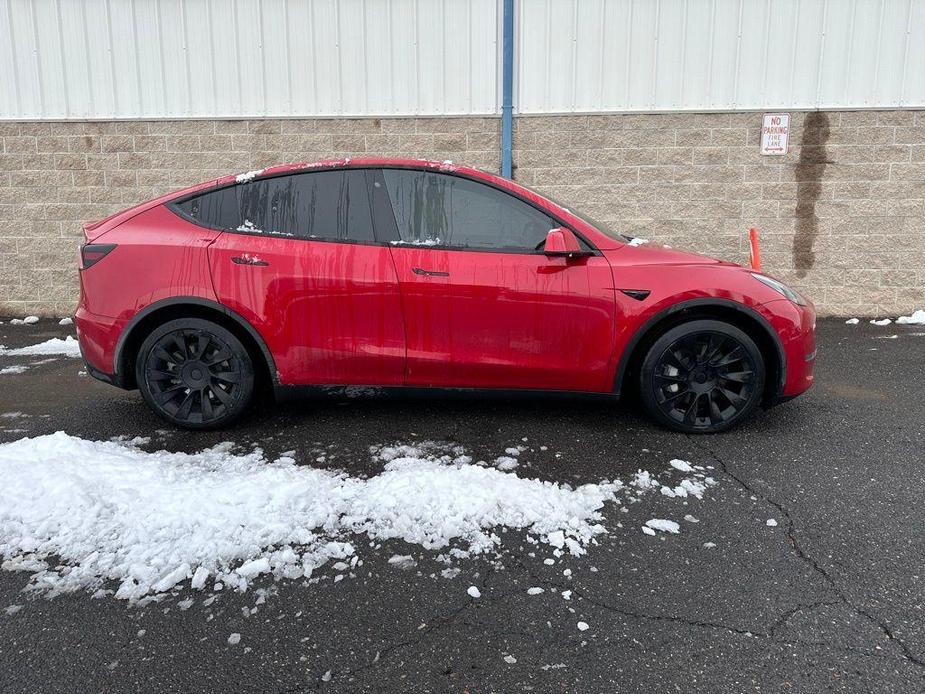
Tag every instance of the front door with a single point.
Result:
(298, 259)
(483, 307)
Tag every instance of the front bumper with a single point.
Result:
(796, 327)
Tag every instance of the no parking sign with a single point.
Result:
(775, 134)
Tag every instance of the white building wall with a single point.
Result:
(102, 59)
(246, 58)
(719, 55)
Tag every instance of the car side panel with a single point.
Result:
(329, 312)
(505, 320)
(157, 256)
(670, 285)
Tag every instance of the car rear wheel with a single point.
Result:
(195, 374)
(702, 376)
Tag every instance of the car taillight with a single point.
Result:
(92, 253)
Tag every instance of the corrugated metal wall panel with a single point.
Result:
(247, 58)
(251, 58)
(694, 55)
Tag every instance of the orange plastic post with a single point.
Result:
(755, 249)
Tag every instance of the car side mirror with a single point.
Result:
(562, 243)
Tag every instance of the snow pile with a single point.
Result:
(852, 321)
(67, 347)
(917, 318)
(881, 322)
(28, 320)
(76, 513)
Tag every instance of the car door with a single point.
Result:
(299, 260)
(483, 306)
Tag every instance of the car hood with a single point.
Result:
(655, 254)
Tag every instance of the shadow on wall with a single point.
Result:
(809, 172)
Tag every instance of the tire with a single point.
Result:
(702, 377)
(195, 374)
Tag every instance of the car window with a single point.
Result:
(441, 210)
(323, 205)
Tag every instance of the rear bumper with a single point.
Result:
(97, 336)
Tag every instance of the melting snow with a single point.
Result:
(417, 242)
(65, 321)
(636, 241)
(67, 347)
(403, 561)
(852, 321)
(665, 526)
(917, 318)
(474, 592)
(249, 176)
(151, 521)
(882, 321)
(15, 369)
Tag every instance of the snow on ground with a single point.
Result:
(853, 321)
(67, 347)
(108, 517)
(15, 369)
(881, 322)
(28, 320)
(662, 525)
(917, 318)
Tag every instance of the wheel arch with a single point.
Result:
(732, 312)
(146, 320)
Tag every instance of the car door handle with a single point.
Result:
(248, 260)
(430, 273)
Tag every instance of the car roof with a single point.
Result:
(96, 229)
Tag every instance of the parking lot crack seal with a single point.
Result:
(819, 570)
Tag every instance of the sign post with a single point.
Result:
(775, 134)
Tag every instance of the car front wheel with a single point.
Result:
(195, 374)
(702, 376)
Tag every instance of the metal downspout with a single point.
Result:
(507, 89)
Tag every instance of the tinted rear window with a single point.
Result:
(322, 204)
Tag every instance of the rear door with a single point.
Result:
(483, 306)
(299, 260)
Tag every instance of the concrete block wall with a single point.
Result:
(842, 216)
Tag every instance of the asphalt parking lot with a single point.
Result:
(829, 599)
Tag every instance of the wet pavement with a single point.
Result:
(829, 599)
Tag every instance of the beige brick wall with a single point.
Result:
(842, 216)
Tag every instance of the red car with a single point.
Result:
(401, 273)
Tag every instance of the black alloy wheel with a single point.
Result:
(702, 376)
(195, 374)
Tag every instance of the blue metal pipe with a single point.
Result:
(507, 89)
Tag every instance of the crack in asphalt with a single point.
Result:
(804, 556)
(386, 651)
